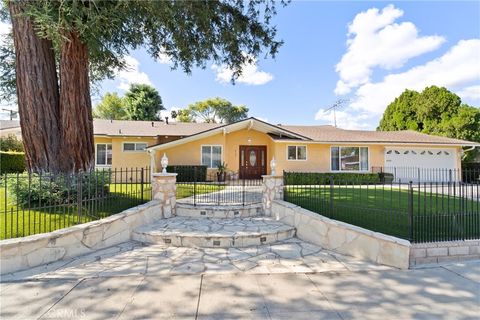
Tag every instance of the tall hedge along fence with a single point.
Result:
(316, 178)
(189, 173)
(12, 162)
(37, 190)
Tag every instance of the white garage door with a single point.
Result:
(421, 164)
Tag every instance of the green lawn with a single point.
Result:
(16, 221)
(435, 216)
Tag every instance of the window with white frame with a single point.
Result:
(134, 146)
(297, 152)
(349, 158)
(211, 156)
(103, 154)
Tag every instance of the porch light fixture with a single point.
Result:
(249, 140)
(273, 164)
(164, 163)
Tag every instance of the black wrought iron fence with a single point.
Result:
(417, 211)
(416, 174)
(198, 186)
(38, 203)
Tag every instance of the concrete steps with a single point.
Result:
(218, 212)
(214, 232)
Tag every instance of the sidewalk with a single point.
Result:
(132, 283)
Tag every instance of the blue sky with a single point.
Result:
(393, 45)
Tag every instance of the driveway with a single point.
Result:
(289, 280)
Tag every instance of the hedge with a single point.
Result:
(189, 173)
(42, 190)
(313, 178)
(12, 162)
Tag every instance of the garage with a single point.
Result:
(421, 164)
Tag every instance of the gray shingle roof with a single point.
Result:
(332, 134)
(148, 128)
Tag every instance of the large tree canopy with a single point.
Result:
(433, 111)
(111, 107)
(142, 102)
(213, 110)
(74, 41)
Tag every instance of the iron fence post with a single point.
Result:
(79, 195)
(141, 183)
(410, 210)
(195, 186)
(331, 195)
(243, 192)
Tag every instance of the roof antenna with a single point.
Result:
(340, 103)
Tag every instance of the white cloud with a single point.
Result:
(5, 28)
(345, 119)
(131, 74)
(458, 70)
(375, 40)
(251, 75)
(470, 93)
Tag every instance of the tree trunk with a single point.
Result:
(75, 105)
(37, 92)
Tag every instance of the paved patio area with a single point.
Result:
(287, 280)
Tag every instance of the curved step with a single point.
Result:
(218, 212)
(214, 233)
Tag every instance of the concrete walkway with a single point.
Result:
(287, 280)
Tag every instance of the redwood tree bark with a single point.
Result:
(37, 93)
(75, 106)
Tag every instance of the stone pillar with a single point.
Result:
(164, 190)
(272, 190)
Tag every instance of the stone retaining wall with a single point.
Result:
(343, 237)
(27, 252)
(440, 252)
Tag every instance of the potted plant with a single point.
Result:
(222, 172)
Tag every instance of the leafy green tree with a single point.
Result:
(59, 43)
(142, 102)
(184, 115)
(214, 110)
(436, 111)
(111, 107)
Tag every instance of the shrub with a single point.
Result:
(312, 178)
(12, 162)
(33, 190)
(11, 143)
(189, 173)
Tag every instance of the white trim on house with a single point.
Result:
(339, 159)
(249, 124)
(296, 152)
(135, 146)
(106, 149)
(386, 143)
(211, 145)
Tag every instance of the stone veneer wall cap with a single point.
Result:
(79, 227)
(347, 225)
(168, 174)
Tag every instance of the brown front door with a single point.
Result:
(253, 162)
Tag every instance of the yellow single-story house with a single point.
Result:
(248, 147)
